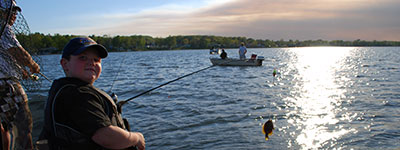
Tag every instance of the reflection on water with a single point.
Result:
(316, 96)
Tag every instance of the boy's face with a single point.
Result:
(85, 66)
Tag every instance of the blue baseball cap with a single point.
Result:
(80, 44)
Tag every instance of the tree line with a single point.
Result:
(55, 43)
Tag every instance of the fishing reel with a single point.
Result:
(119, 109)
(118, 103)
(114, 97)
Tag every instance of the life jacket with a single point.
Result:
(61, 136)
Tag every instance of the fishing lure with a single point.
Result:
(267, 129)
(274, 73)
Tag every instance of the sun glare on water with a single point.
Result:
(316, 95)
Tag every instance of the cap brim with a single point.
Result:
(17, 8)
(102, 51)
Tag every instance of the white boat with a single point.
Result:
(237, 62)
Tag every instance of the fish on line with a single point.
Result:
(267, 129)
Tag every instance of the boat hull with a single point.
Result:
(236, 62)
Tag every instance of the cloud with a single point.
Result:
(266, 19)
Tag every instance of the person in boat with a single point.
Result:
(16, 118)
(242, 51)
(223, 54)
(77, 114)
(212, 50)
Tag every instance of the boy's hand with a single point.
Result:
(141, 143)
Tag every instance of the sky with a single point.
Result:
(258, 19)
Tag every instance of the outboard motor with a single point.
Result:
(253, 56)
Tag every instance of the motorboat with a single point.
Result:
(254, 61)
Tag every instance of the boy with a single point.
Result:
(77, 114)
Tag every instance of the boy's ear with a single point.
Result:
(63, 63)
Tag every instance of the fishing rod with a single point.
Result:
(129, 99)
(45, 77)
(35, 77)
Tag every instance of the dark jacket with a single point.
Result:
(74, 111)
(223, 55)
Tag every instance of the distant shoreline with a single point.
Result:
(53, 44)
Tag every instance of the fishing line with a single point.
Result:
(115, 77)
(268, 127)
(273, 84)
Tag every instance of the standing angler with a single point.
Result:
(15, 115)
(242, 51)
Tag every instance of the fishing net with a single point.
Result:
(19, 30)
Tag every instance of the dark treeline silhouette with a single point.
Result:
(46, 44)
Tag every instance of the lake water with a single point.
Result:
(321, 98)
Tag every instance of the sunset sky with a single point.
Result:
(259, 19)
